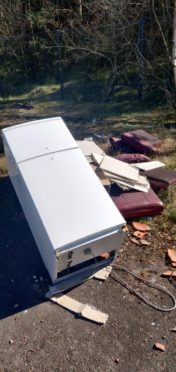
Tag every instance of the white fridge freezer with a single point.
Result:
(71, 216)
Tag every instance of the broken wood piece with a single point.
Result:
(150, 165)
(94, 315)
(144, 242)
(141, 185)
(172, 254)
(135, 241)
(100, 174)
(88, 147)
(86, 311)
(142, 180)
(169, 273)
(103, 274)
(105, 181)
(139, 234)
(159, 346)
(97, 158)
(119, 168)
(141, 226)
(173, 329)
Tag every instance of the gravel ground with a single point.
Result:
(37, 335)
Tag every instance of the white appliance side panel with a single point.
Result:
(38, 230)
(38, 138)
(90, 250)
(31, 214)
(11, 164)
(69, 197)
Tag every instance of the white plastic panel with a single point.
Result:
(71, 202)
(37, 138)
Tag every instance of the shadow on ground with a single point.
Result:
(23, 278)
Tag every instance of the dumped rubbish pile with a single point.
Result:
(77, 226)
(133, 178)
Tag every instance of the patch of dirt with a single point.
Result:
(36, 335)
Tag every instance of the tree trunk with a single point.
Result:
(80, 8)
(174, 44)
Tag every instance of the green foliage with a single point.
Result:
(172, 214)
(118, 42)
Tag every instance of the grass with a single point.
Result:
(84, 100)
(172, 214)
(3, 166)
(86, 113)
(167, 221)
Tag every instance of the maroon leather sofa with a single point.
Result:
(133, 204)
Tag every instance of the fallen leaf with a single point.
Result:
(117, 260)
(159, 346)
(116, 360)
(172, 254)
(145, 274)
(139, 234)
(135, 241)
(141, 226)
(169, 273)
(168, 238)
(173, 329)
(144, 242)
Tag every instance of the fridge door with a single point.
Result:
(37, 138)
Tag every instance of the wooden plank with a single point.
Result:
(86, 311)
(94, 315)
(103, 274)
